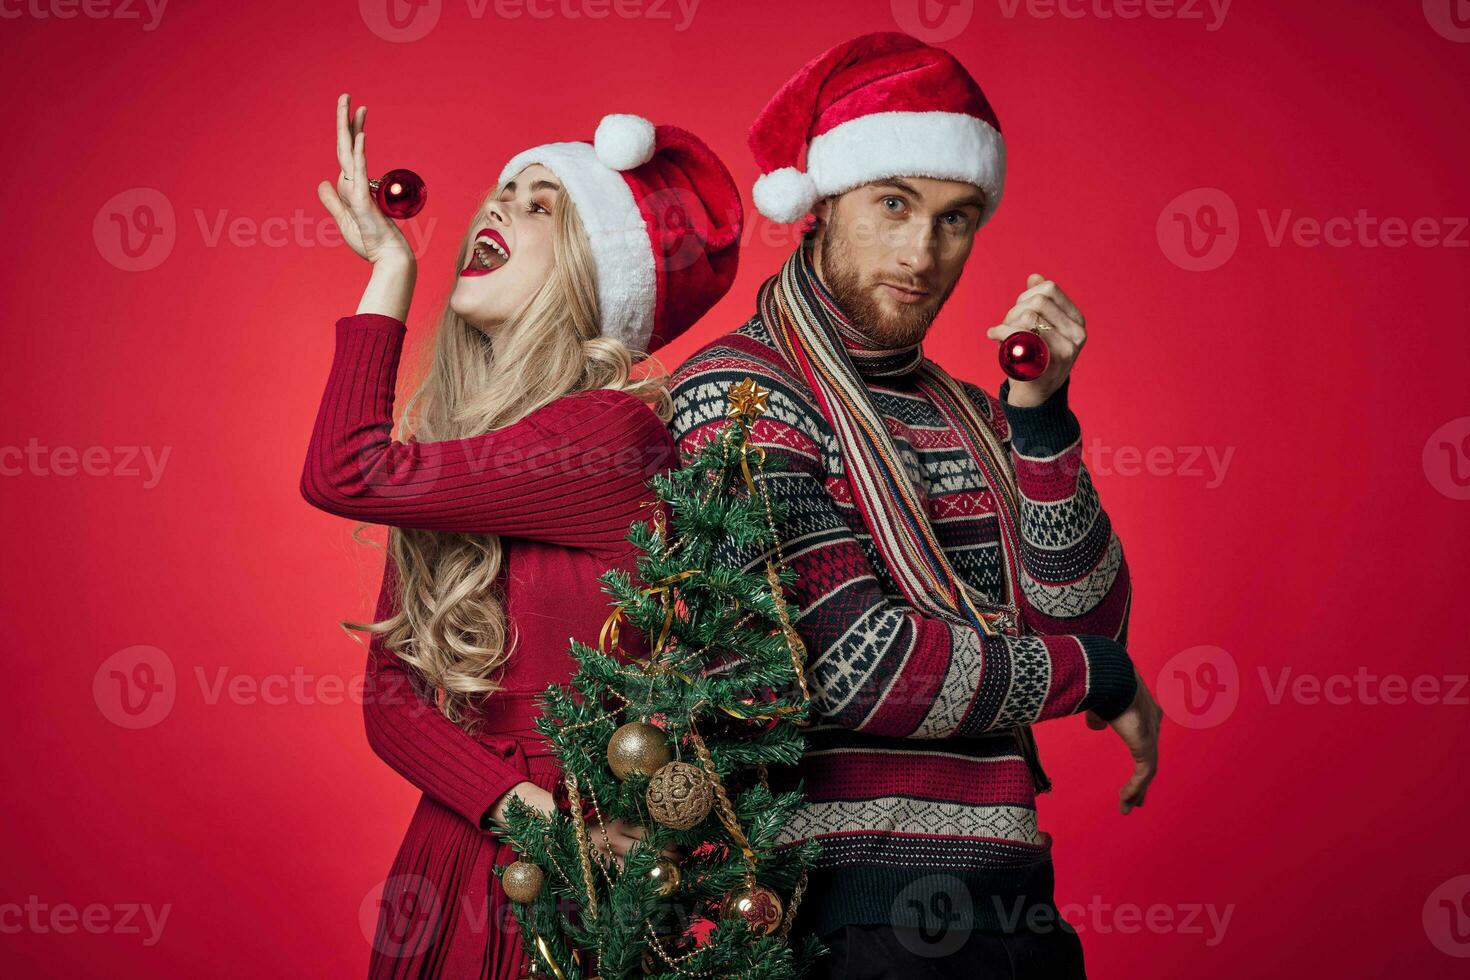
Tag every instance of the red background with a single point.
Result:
(1330, 832)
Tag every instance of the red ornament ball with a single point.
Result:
(400, 193)
(1024, 355)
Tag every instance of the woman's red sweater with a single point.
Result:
(561, 487)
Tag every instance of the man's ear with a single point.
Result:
(821, 209)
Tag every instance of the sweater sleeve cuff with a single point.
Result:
(1041, 430)
(1111, 679)
(370, 321)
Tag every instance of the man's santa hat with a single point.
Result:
(663, 218)
(880, 105)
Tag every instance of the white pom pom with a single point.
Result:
(784, 195)
(623, 141)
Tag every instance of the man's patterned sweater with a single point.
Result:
(917, 788)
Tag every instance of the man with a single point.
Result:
(958, 580)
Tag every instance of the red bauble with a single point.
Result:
(400, 193)
(1024, 355)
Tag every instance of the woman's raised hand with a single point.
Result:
(370, 232)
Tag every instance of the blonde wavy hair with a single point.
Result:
(450, 627)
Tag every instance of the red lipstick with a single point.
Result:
(472, 268)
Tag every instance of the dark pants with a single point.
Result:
(883, 952)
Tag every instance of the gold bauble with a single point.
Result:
(638, 747)
(680, 795)
(758, 906)
(522, 881)
(666, 877)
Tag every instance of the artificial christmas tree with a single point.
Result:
(678, 743)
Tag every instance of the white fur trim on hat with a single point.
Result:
(621, 248)
(624, 141)
(784, 195)
(942, 145)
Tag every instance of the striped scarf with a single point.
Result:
(825, 348)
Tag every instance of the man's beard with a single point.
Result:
(843, 280)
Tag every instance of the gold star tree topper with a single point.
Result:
(747, 400)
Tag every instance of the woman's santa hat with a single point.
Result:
(663, 219)
(880, 105)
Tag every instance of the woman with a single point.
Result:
(529, 444)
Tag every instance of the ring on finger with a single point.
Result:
(1040, 324)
